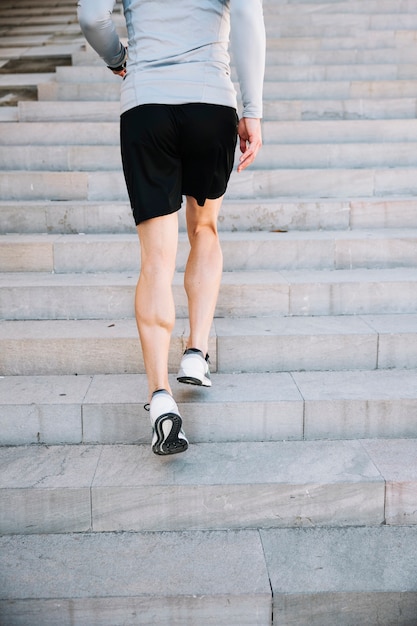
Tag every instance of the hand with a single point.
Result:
(121, 72)
(249, 131)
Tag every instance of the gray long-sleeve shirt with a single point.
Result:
(178, 50)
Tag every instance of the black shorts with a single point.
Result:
(173, 150)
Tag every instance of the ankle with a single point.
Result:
(197, 348)
(159, 390)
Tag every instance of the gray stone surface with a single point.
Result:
(213, 578)
(95, 132)
(108, 88)
(397, 341)
(305, 183)
(345, 576)
(22, 253)
(241, 251)
(42, 410)
(239, 407)
(108, 217)
(347, 292)
(45, 111)
(84, 158)
(341, 109)
(358, 404)
(44, 185)
(59, 134)
(295, 343)
(226, 486)
(385, 214)
(284, 110)
(59, 346)
(46, 489)
(41, 296)
(46, 347)
(401, 486)
(239, 215)
(251, 407)
(337, 155)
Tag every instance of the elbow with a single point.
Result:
(243, 10)
(91, 17)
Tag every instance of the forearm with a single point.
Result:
(248, 51)
(96, 24)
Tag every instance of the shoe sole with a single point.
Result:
(190, 380)
(168, 443)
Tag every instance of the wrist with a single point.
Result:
(122, 65)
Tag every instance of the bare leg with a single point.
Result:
(204, 269)
(154, 303)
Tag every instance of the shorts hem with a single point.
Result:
(139, 218)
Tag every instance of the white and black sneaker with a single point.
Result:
(168, 436)
(194, 368)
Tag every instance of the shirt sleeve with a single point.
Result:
(95, 18)
(248, 42)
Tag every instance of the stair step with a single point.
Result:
(274, 344)
(11, 81)
(80, 347)
(66, 28)
(308, 433)
(107, 295)
(211, 578)
(59, 50)
(308, 183)
(106, 135)
(357, 40)
(333, 25)
(295, 52)
(108, 409)
(300, 57)
(295, 57)
(68, 111)
(316, 343)
(299, 483)
(314, 131)
(354, 72)
(62, 254)
(48, 12)
(283, 8)
(8, 114)
(327, 576)
(99, 158)
(273, 72)
(340, 109)
(286, 90)
(59, 133)
(42, 295)
(242, 215)
(225, 591)
(24, 40)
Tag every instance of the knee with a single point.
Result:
(157, 269)
(202, 221)
(199, 230)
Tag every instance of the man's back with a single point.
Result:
(178, 51)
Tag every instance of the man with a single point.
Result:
(178, 138)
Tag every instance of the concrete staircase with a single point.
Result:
(296, 503)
